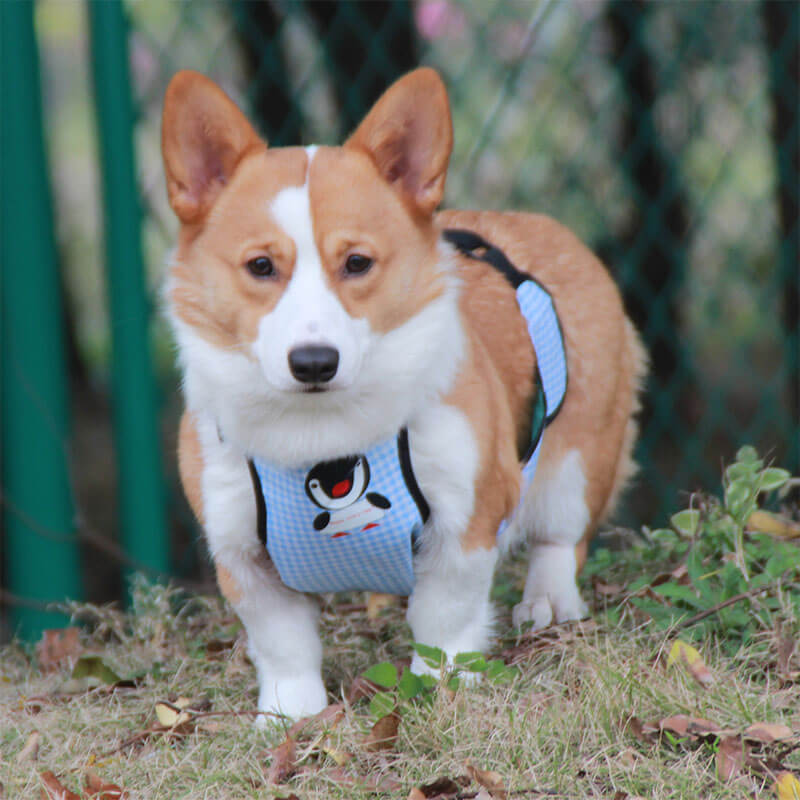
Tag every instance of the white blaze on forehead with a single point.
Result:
(309, 312)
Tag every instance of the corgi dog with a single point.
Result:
(380, 396)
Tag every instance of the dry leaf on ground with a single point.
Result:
(57, 648)
(767, 732)
(171, 715)
(730, 757)
(383, 735)
(331, 716)
(440, 789)
(377, 601)
(284, 763)
(491, 781)
(684, 654)
(98, 789)
(786, 786)
(53, 789)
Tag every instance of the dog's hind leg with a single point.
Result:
(555, 510)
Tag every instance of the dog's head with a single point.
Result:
(309, 263)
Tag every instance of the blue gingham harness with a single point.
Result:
(353, 523)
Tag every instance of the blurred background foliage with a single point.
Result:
(663, 133)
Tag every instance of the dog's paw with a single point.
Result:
(572, 607)
(542, 610)
(537, 611)
(296, 697)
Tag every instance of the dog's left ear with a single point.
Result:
(409, 135)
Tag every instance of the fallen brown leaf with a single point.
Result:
(604, 589)
(57, 648)
(636, 727)
(98, 789)
(53, 789)
(491, 781)
(443, 787)
(361, 688)
(685, 654)
(377, 601)
(30, 751)
(767, 732)
(683, 725)
(730, 757)
(284, 762)
(383, 735)
(330, 716)
(218, 648)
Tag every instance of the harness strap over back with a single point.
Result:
(544, 328)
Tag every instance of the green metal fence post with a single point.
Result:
(41, 550)
(140, 475)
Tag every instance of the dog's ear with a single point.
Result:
(204, 136)
(409, 135)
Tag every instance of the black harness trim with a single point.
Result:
(404, 457)
(261, 506)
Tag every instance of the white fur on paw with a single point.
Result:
(537, 611)
(542, 611)
(296, 697)
(420, 667)
(569, 608)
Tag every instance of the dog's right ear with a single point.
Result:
(204, 136)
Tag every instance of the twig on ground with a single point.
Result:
(719, 606)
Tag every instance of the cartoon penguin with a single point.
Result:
(338, 488)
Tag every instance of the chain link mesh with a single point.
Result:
(665, 134)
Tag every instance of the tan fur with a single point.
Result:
(230, 589)
(404, 277)
(211, 288)
(190, 464)
(605, 359)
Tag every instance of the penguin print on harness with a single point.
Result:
(338, 487)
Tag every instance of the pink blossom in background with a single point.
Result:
(437, 18)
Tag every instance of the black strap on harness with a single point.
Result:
(476, 247)
(473, 246)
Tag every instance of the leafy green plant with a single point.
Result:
(714, 568)
(410, 687)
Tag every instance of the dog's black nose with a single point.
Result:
(313, 363)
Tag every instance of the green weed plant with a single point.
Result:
(711, 566)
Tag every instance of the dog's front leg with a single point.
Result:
(450, 607)
(281, 624)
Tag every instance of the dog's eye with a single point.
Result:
(357, 264)
(260, 267)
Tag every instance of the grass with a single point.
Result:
(561, 728)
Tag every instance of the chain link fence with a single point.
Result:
(664, 134)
